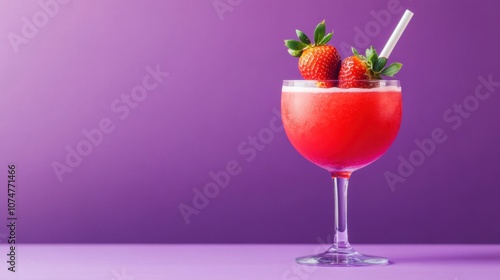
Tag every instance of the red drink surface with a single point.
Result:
(341, 130)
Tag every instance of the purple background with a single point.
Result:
(225, 80)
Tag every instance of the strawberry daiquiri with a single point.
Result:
(341, 130)
(341, 117)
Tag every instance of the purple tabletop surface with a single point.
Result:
(199, 261)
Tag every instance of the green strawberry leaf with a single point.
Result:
(295, 45)
(380, 64)
(303, 37)
(369, 52)
(295, 53)
(392, 69)
(371, 57)
(319, 32)
(325, 39)
(354, 51)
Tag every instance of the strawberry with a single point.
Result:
(357, 69)
(317, 61)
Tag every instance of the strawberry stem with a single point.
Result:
(376, 65)
(295, 48)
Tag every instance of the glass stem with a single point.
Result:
(341, 241)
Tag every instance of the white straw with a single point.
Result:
(393, 40)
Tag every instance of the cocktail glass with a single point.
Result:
(341, 130)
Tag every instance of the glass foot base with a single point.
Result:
(336, 257)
